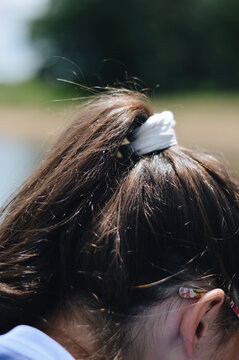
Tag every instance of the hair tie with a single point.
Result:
(156, 133)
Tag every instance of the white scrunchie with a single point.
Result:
(156, 133)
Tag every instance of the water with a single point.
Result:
(17, 161)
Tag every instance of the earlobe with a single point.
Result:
(197, 318)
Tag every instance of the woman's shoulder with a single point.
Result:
(27, 343)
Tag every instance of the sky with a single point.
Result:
(18, 60)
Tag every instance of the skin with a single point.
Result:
(176, 330)
(184, 331)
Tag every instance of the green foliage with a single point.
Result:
(36, 92)
(176, 44)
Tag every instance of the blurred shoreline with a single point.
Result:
(206, 121)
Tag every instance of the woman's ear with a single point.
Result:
(198, 318)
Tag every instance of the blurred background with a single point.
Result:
(183, 54)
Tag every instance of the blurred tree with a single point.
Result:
(176, 44)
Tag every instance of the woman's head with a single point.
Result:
(102, 233)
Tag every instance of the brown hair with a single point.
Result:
(99, 227)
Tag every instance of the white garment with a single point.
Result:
(27, 343)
